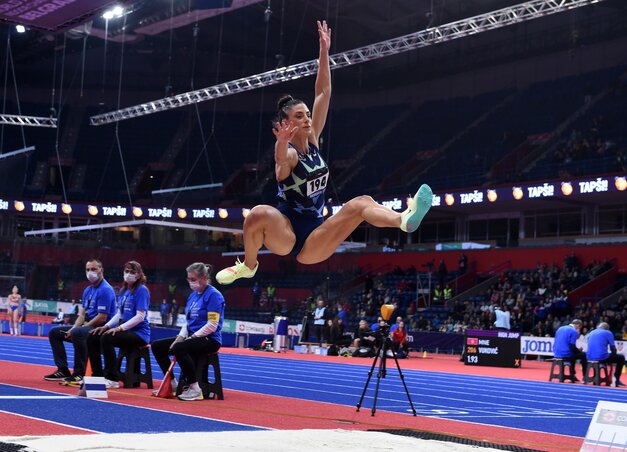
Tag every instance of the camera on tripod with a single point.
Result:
(383, 347)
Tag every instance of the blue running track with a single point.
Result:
(538, 406)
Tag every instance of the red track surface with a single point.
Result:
(16, 425)
(287, 413)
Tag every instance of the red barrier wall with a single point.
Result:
(521, 258)
(241, 297)
(485, 260)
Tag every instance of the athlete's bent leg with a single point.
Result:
(325, 239)
(264, 225)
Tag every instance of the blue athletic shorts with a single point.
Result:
(302, 226)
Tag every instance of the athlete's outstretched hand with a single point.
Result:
(325, 35)
(285, 131)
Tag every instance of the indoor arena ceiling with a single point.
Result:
(227, 39)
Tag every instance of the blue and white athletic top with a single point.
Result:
(303, 190)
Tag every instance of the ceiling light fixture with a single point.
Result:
(116, 11)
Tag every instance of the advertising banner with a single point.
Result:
(608, 429)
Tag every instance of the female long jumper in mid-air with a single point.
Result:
(296, 225)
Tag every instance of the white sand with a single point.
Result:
(261, 441)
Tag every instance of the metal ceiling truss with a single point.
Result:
(30, 121)
(18, 152)
(132, 223)
(454, 30)
(187, 188)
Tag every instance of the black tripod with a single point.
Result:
(386, 344)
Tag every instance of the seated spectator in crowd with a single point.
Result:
(342, 312)
(60, 318)
(399, 340)
(565, 347)
(98, 307)
(128, 328)
(375, 326)
(364, 336)
(336, 334)
(201, 334)
(399, 319)
(327, 330)
(599, 340)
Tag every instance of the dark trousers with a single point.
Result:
(396, 346)
(619, 360)
(320, 332)
(186, 353)
(581, 356)
(175, 317)
(343, 341)
(56, 336)
(106, 344)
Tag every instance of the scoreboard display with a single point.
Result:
(492, 348)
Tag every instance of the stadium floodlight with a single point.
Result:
(30, 121)
(20, 28)
(435, 35)
(116, 11)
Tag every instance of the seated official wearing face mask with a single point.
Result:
(128, 328)
(97, 308)
(201, 334)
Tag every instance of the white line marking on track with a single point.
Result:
(37, 397)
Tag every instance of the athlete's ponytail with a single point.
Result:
(284, 105)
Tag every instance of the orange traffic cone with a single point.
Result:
(88, 371)
(165, 389)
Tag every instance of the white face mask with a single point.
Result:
(92, 277)
(129, 278)
(194, 285)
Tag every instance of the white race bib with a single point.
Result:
(316, 185)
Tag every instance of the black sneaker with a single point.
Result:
(574, 379)
(618, 383)
(73, 380)
(57, 376)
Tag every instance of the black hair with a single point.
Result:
(284, 105)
